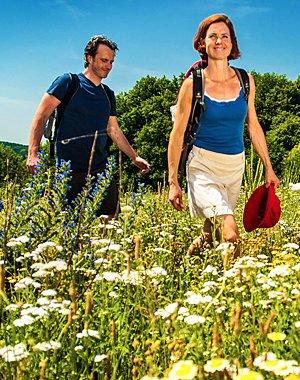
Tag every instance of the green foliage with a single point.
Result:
(85, 299)
(291, 164)
(282, 137)
(42, 207)
(12, 167)
(253, 175)
(275, 94)
(144, 117)
(18, 148)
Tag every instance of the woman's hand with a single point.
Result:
(271, 178)
(175, 196)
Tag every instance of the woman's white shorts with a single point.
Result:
(214, 182)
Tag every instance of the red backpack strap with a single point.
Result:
(201, 63)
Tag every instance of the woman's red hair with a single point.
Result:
(199, 44)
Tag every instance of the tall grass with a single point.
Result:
(86, 298)
(253, 176)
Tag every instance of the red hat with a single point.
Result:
(262, 209)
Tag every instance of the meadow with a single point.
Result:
(86, 298)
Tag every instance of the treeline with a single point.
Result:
(144, 117)
(18, 148)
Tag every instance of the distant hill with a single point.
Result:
(18, 148)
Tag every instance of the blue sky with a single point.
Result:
(43, 39)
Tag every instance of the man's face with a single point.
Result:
(101, 64)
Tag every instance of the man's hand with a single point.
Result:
(142, 164)
(31, 163)
(175, 197)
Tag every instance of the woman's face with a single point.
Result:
(218, 41)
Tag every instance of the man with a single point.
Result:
(92, 109)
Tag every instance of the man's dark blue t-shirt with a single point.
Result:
(87, 112)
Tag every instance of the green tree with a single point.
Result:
(276, 98)
(274, 95)
(144, 117)
(20, 149)
(12, 167)
(283, 136)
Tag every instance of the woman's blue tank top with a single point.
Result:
(222, 125)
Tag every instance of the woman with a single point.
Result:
(215, 165)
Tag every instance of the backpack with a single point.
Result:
(198, 107)
(53, 122)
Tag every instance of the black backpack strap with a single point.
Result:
(198, 95)
(71, 91)
(198, 107)
(110, 100)
(108, 93)
(244, 80)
